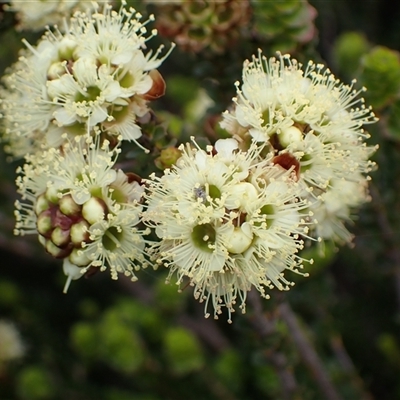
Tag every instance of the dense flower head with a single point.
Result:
(310, 121)
(226, 221)
(93, 77)
(36, 14)
(199, 25)
(84, 210)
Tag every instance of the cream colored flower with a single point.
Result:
(311, 123)
(96, 77)
(226, 221)
(84, 210)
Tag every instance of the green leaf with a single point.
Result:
(183, 351)
(348, 50)
(84, 339)
(389, 347)
(228, 368)
(381, 76)
(120, 346)
(34, 384)
(267, 380)
(393, 122)
(168, 296)
(9, 293)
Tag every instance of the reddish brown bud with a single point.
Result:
(288, 161)
(158, 88)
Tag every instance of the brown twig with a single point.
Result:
(348, 367)
(308, 353)
(266, 327)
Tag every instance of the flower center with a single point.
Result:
(214, 192)
(202, 193)
(112, 238)
(266, 216)
(76, 129)
(266, 117)
(127, 80)
(305, 162)
(203, 237)
(119, 113)
(92, 93)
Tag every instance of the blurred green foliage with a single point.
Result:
(381, 75)
(183, 351)
(34, 383)
(348, 50)
(286, 25)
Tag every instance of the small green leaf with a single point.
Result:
(381, 76)
(229, 368)
(84, 339)
(348, 50)
(34, 384)
(120, 346)
(393, 122)
(183, 351)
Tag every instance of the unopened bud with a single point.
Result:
(291, 135)
(241, 195)
(68, 205)
(60, 237)
(52, 194)
(56, 70)
(42, 240)
(240, 239)
(43, 223)
(79, 232)
(78, 258)
(55, 251)
(94, 210)
(168, 157)
(41, 204)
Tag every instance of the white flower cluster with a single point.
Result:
(312, 123)
(90, 79)
(226, 221)
(67, 106)
(226, 218)
(236, 216)
(37, 14)
(84, 210)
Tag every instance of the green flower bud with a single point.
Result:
(60, 237)
(52, 194)
(348, 50)
(68, 205)
(42, 204)
(79, 232)
(284, 24)
(381, 75)
(168, 157)
(44, 225)
(54, 250)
